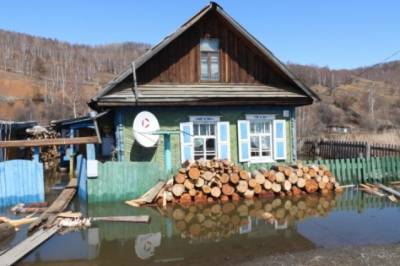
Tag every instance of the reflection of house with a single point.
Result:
(227, 94)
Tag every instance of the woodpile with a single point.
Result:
(221, 221)
(208, 181)
(49, 155)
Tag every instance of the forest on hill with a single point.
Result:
(43, 79)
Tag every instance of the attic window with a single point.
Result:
(209, 60)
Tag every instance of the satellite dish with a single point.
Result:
(144, 125)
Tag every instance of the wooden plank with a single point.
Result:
(59, 205)
(16, 253)
(390, 190)
(128, 219)
(48, 142)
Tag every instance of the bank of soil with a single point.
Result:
(369, 255)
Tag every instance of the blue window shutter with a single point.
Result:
(186, 141)
(244, 140)
(280, 140)
(223, 140)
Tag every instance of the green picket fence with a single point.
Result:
(355, 170)
(361, 170)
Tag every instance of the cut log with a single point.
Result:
(224, 198)
(180, 178)
(249, 194)
(257, 188)
(252, 183)
(206, 189)
(296, 191)
(299, 172)
(272, 176)
(215, 192)
(235, 197)
(234, 178)
(276, 187)
(200, 198)
(192, 192)
(287, 186)
(243, 175)
(311, 186)
(279, 177)
(258, 177)
(227, 190)
(199, 183)
(178, 190)
(301, 182)
(293, 178)
(185, 198)
(208, 175)
(267, 185)
(188, 184)
(194, 173)
(224, 178)
(242, 186)
(287, 171)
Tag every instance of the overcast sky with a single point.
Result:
(338, 34)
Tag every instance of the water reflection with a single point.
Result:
(222, 221)
(249, 228)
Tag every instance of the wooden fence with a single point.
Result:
(21, 181)
(337, 149)
(361, 170)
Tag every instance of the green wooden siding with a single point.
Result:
(170, 118)
(126, 180)
(123, 180)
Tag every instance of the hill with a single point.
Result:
(45, 79)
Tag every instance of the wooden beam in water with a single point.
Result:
(16, 253)
(48, 142)
(59, 205)
(129, 219)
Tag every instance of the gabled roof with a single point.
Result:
(168, 39)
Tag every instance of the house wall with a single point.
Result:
(240, 61)
(171, 117)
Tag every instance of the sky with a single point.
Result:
(337, 34)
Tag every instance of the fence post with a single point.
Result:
(367, 150)
(317, 150)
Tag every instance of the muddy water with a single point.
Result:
(231, 232)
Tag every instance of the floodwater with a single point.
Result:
(221, 233)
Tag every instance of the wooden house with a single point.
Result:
(212, 81)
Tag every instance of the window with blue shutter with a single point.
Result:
(186, 141)
(244, 140)
(223, 140)
(279, 139)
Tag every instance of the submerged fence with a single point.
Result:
(338, 149)
(361, 170)
(21, 181)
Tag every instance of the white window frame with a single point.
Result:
(262, 118)
(205, 120)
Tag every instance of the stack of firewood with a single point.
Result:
(49, 154)
(218, 221)
(205, 181)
